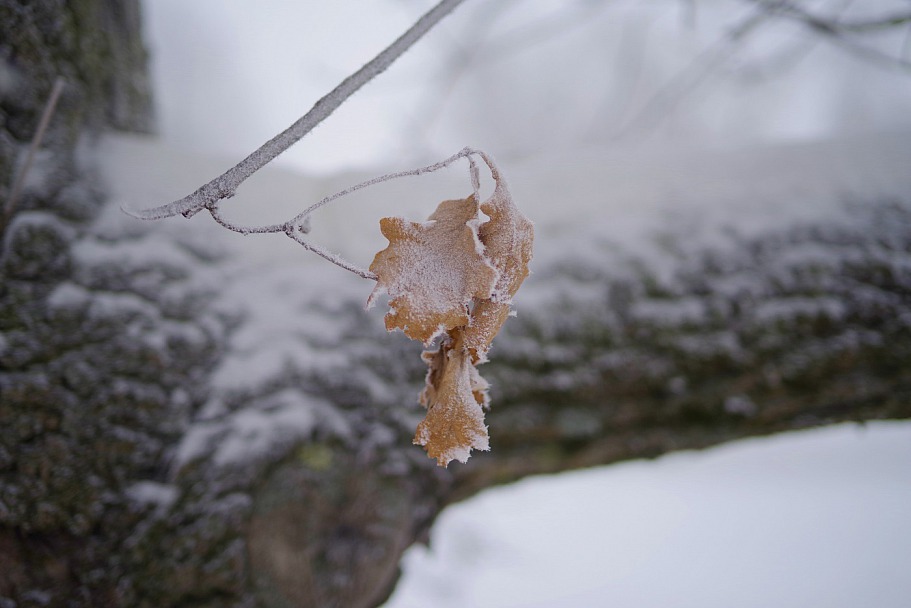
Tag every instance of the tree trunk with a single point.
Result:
(130, 477)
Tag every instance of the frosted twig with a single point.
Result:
(332, 257)
(226, 184)
(297, 226)
(46, 115)
(211, 194)
(475, 178)
(385, 178)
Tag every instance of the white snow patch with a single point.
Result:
(153, 493)
(798, 306)
(711, 343)
(291, 319)
(68, 295)
(816, 517)
(740, 404)
(265, 425)
(39, 218)
(670, 312)
(132, 252)
(197, 441)
(252, 432)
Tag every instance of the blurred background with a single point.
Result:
(719, 307)
(759, 525)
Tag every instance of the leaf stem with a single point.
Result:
(298, 225)
(295, 234)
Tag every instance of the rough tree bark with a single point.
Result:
(115, 488)
(87, 396)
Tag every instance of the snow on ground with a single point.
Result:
(811, 518)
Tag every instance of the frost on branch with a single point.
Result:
(454, 275)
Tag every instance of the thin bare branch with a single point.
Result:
(834, 26)
(332, 257)
(787, 56)
(839, 31)
(226, 184)
(383, 178)
(46, 115)
(297, 226)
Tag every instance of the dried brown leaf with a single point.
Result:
(436, 361)
(508, 237)
(454, 275)
(432, 270)
(454, 395)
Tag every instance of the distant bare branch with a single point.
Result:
(833, 26)
(46, 115)
(700, 68)
(838, 31)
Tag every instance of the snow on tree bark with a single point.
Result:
(133, 473)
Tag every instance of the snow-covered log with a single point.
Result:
(805, 325)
